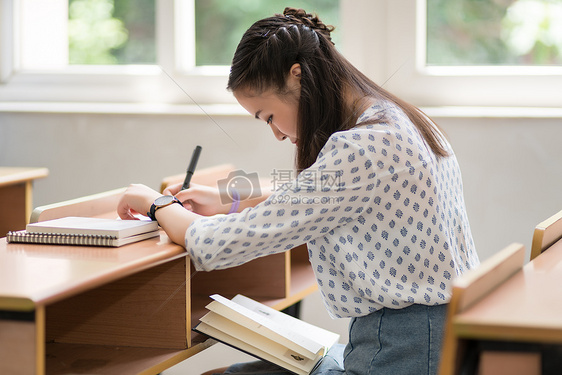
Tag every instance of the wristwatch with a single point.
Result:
(163, 201)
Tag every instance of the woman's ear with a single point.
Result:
(296, 71)
(294, 78)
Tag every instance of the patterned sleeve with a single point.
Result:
(332, 192)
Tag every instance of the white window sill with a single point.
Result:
(493, 112)
(236, 110)
(122, 108)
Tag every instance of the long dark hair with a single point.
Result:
(271, 46)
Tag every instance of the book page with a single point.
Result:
(319, 335)
(256, 340)
(300, 336)
(245, 347)
(93, 226)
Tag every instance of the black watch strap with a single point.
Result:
(156, 206)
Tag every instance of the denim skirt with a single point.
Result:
(387, 342)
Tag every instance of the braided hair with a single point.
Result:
(264, 57)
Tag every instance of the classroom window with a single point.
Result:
(429, 52)
(219, 24)
(54, 34)
(492, 32)
(129, 50)
(111, 32)
(501, 53)
(120, 32)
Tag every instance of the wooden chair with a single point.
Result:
(469, 289)
(99, 205)
(546, 234)
(210, 176)
(105, 204)
(207, 176)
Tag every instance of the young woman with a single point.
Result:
(378, 199)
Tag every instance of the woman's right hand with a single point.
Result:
(201, 199)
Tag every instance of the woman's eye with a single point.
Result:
(269, 120)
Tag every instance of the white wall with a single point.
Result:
(89, 153)
(512, 170)
(511, 166)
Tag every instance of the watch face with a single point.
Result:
(164, 200)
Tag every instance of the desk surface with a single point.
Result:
(14, 175)
(95, 306)
(527, 307)
(32, 275)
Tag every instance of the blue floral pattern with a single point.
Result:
(384, 220)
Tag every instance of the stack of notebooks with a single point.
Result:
(266, 333)
(85, 231)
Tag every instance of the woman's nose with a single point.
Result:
(280, 136)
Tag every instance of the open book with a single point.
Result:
(266, 333)
(85, 231)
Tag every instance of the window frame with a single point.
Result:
(173, 79)
(498, 86)
(395, 61)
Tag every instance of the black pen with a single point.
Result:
(191, 168)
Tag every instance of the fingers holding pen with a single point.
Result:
(192, 198)
(203, 200)
(200, 199)
(173, 190)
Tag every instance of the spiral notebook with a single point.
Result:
(85, 231)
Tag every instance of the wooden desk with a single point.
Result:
(127, 310)
(70, 309)
(526, 308)
(16, 196)
(518, 326)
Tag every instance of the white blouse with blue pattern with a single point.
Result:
(384, 220)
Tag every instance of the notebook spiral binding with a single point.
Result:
(60, 239)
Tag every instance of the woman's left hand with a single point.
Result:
(137, 199)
